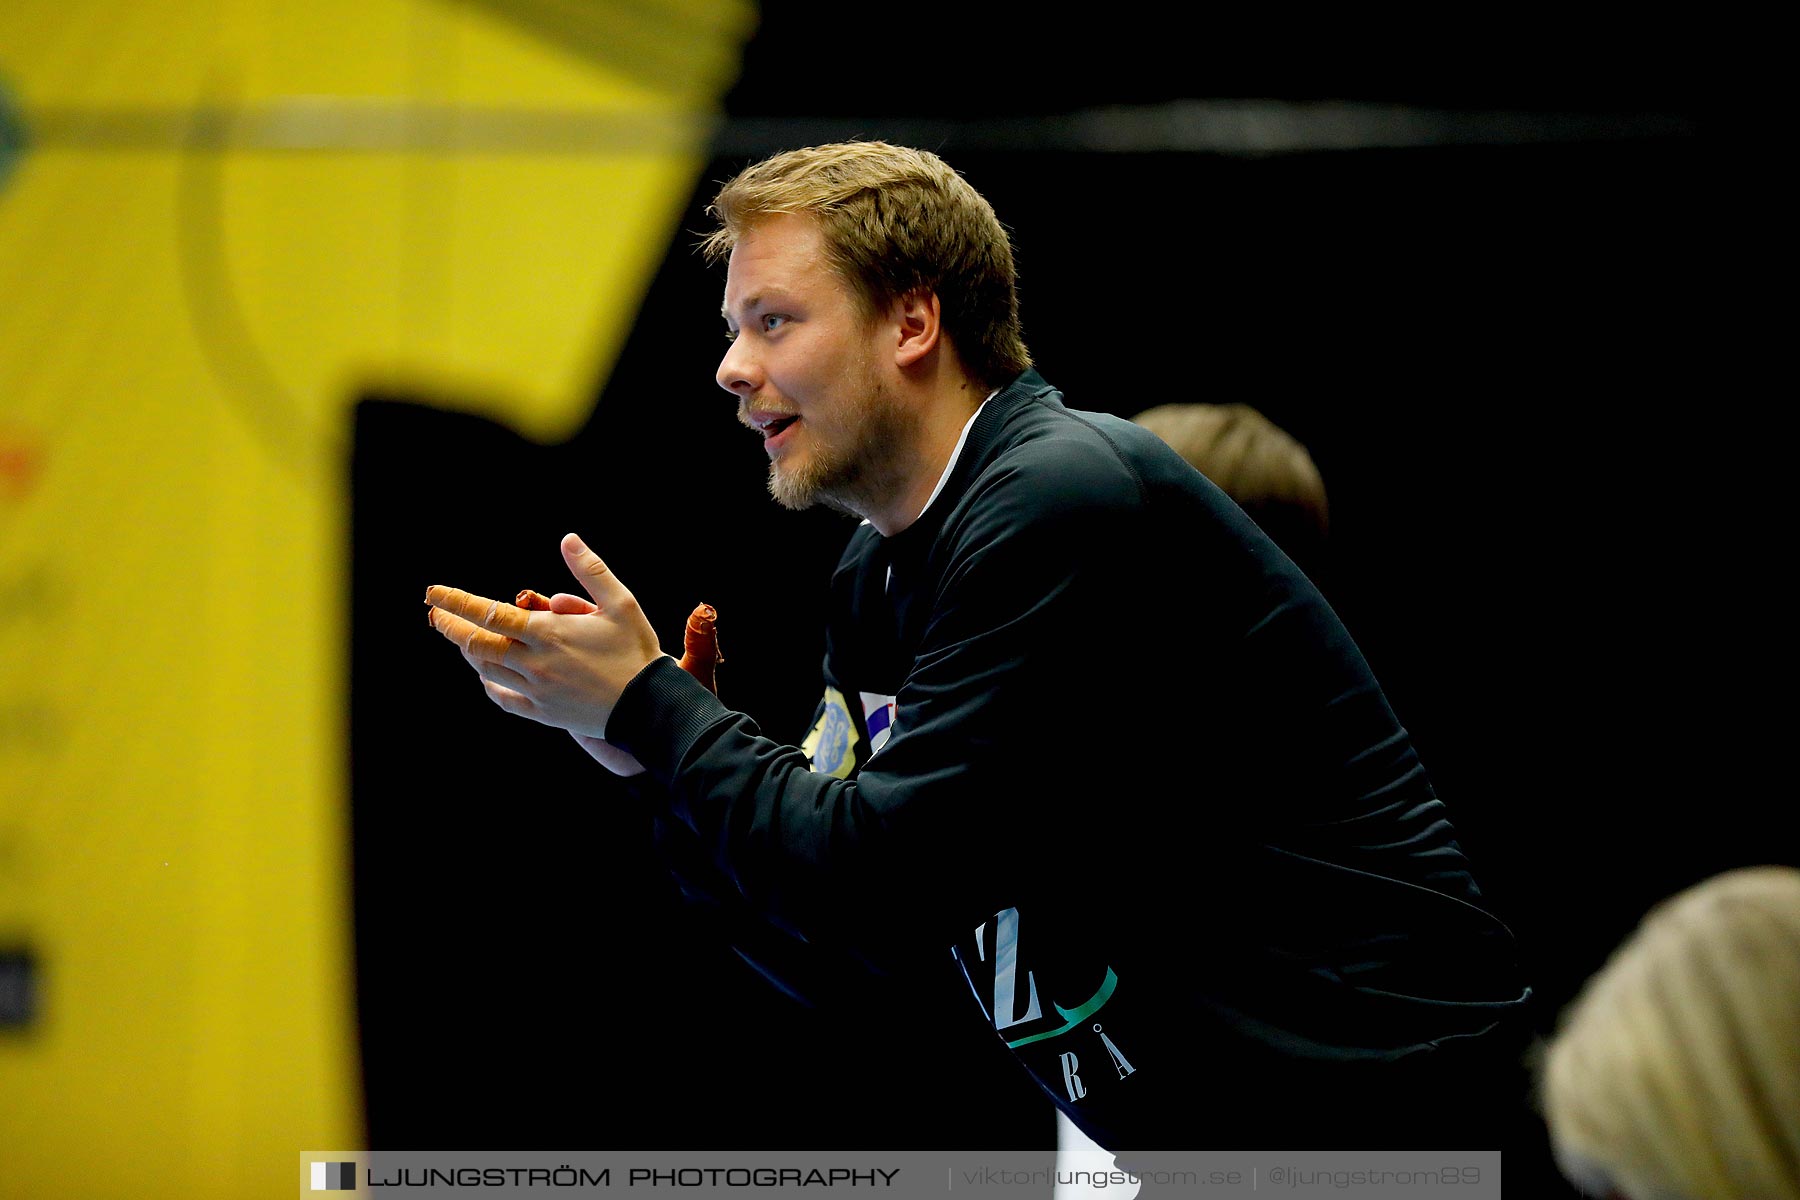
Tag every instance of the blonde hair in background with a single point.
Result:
(895, 221)
(1676, 1072)
(1252, 460)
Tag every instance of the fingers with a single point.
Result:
(499, 673)
(491, 615)
(508, 699)
(500, 682)
(562, 602)
(586, 566)
(476, 642)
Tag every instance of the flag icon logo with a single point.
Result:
(334, 1177)
(878, 718)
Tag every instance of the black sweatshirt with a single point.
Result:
(1089, 731)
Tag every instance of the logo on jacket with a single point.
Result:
(878, 718)
(829, 745)
(1018, 1009)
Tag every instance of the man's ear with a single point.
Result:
(919, 323)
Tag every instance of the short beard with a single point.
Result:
(858, 479)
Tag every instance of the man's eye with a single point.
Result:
(769, 321)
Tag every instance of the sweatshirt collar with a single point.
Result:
(979, 435)
(956, 453)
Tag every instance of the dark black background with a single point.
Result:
(1505, 360)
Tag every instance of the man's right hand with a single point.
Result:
(620, 762)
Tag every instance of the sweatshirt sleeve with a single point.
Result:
(929, 838)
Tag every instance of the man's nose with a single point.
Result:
(738, 372)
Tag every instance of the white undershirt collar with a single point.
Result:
(957, 452)
(950, 466)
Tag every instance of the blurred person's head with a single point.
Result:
(893, 221)
(1675, 1075)
(1256, 463)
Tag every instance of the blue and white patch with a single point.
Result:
(878, 718)
(831, 744)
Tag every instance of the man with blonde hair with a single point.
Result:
(1676, 1072)
(1085, 732)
